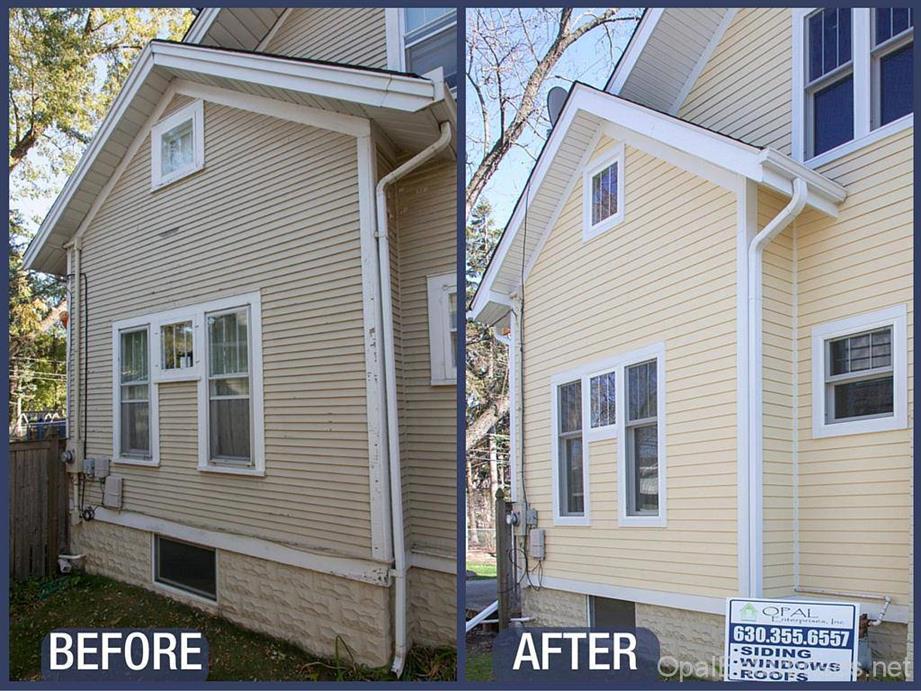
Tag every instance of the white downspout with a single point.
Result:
(390, 385)
(76, 331)
(756, 404)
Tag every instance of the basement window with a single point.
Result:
(186, 567)
(442, 314)
(178, 145)
(859, 372)
(603, 194)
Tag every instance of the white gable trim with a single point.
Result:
(634, 50)
(201, 24)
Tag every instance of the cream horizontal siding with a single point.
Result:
(744, 90)
(778, 282)
(350, 35)
(666, 273)
(275, 210)
(425, 207)
(855, 491)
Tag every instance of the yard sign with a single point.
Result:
(790, 640)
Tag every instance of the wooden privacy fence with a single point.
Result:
(38, 507)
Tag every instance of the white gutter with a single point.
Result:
(390, 384)
(755, 403)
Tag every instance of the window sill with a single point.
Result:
(841, 429)
(602, 228)
(856, 144)
(232, 470)
(641, 521)
(444, 382)
(123, 460)
(190, 598)
(161, 377)
(175, 177)
(572, 520)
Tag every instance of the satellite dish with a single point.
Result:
(556, 97)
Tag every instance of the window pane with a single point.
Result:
(236, 386)
(228, 343)
(186, 566)
(176, 151)
(573, 496)
(571, 407)
(176, 345)
(844, 36)
(641, 390)
(435, 51)
(856, 399)
(229, 418)
(134, 356)
(828, 41)
(883, 24)
(416, 17)
(815, 46)
(645, 451)
(881, 348)
(861, 352)
(839, 356)
(895, 84)
(135, 430)
(604, 194)
(602, 393)
(833, 115)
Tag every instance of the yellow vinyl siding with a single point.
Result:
(275, 210)
(426, 232)
(745, 88)
(350, 35)
(855, 491)
(666, 273)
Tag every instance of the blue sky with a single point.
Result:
(590, 60)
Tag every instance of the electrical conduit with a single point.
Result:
(390, 386)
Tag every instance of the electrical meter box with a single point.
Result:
(102, 468)
(89, 467)
(536, 544)
(112, 495)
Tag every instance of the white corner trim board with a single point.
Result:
(364, 570)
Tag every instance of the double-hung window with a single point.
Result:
(891, 69)
(442, 314)
(134, 438)
(859, 370)
(178, 145)
(852, 78)
(620, 399)
(229, 401)
(830, 80)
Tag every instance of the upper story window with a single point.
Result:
(852, 79)
(442, 312)
(178, 145)
(430, 41)
(860, 374)
(603, 193)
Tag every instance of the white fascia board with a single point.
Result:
(201, 25)
(372, 88)
(634, 49)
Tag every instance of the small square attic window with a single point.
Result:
(178, 145)
(603, 193)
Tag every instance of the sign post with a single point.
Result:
(790, 640)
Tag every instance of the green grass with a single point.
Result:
(479, 667)
(40, 606)
(483, 569)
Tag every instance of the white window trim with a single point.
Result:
(439, 287)
(194, 111)
(257, 437)
(595, 166)
(618, 364)
(394, 23)
(895, 317)
(864, 134)
(153, 401)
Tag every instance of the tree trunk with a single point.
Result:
(480, 427)
(473, 536)
(26, 142)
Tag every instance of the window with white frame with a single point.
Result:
(442, 314)
(891, 66)
(569, 439)
(852, 79)
(229, 400)
(603, 193)
(215, 344)
(430, 41)
(859, 370)
(134, 393)
(620, 398)
(178, 145)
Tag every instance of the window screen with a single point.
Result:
(186, 566)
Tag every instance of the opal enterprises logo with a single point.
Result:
(575, 655)
(124, 655)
